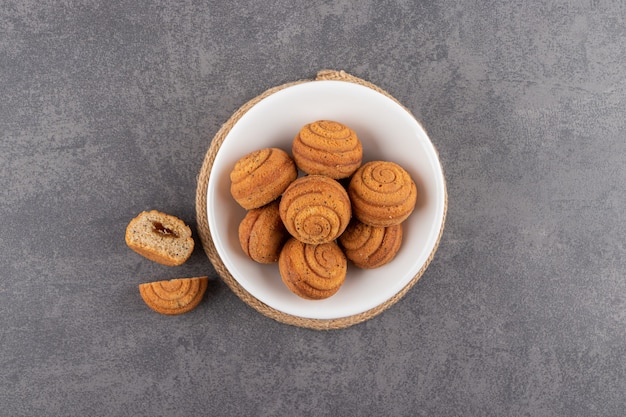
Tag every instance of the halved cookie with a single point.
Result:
(160, 237)
(176, 296)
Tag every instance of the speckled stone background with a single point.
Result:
(107, 108)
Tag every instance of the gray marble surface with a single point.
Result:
(107, 108)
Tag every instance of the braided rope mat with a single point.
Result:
(211, 252)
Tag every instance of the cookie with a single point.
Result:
(176, 296)
(382, 193)
(160, 237)
(262, 233)
(260, 177)
(315, 209)
(312, 272)
(370, 247)
(327, 148)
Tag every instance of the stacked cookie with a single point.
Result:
(312, 225)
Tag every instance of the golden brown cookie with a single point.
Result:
(176, 296)
(382, 193)
(315, 209)
(328, 148)
(160, 237)
(369, 247)
(262, 233)
(313, 272)
(261, 176)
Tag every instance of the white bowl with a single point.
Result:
(388, 132)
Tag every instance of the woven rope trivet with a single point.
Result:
(211, 252)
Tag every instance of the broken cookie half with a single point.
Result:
(175, 296)
(160, 237)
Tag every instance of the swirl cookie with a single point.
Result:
(176, 296)
(261, 176)
(313, 272)
(262, 233)
(315, 209)
(369, 247)
(160, 237)
(327, 148)
(382, 193)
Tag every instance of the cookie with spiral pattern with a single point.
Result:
(176, 296)
(370, 247)
(313, 272)
(382, 193)
(262, 233)
(260, 177)
(315, 209)
(329, 148)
